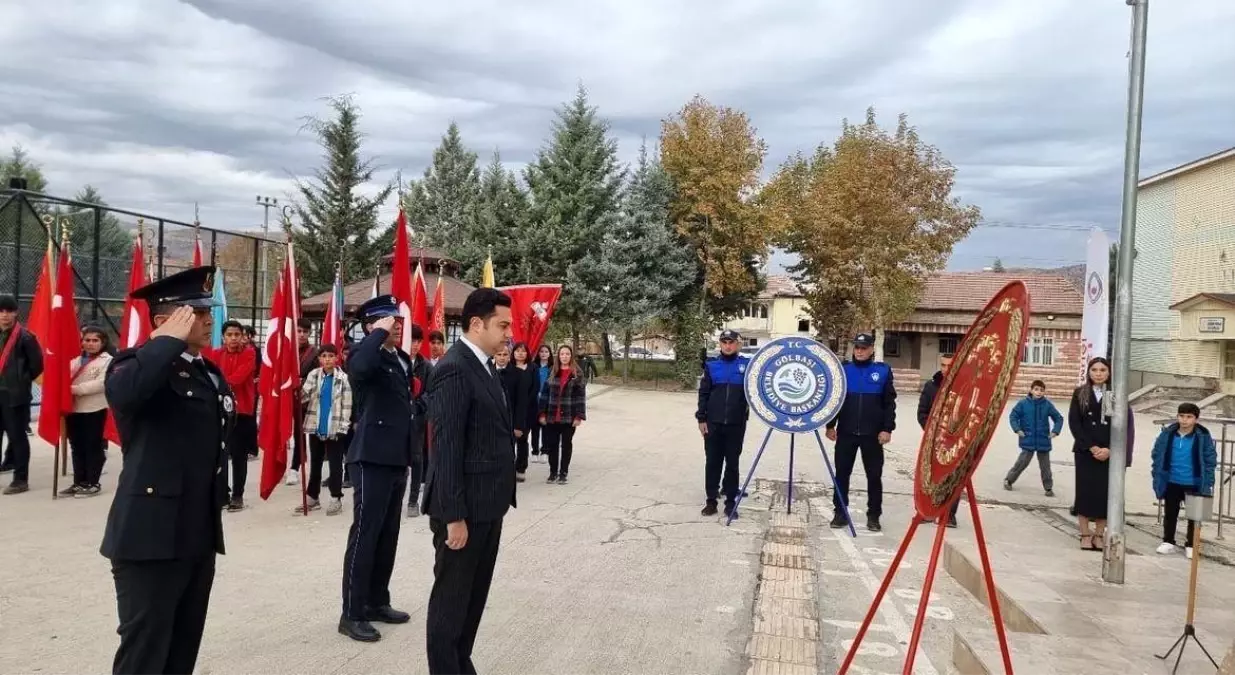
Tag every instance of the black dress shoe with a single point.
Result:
(360, 631)
(709, 509)
(872, 524)
(387, 614)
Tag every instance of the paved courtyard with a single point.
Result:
(614, 573)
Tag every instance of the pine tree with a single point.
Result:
(575, 183)
(441, 206)
(997, 266)
(337, 221)
(499, 226)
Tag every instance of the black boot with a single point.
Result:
(872, 524)
(358, 630)
(838, 521)
(709, 509)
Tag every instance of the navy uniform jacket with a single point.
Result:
(870, 400)
(382, 399)
(472, 462)
(722, 391)
(174, 425)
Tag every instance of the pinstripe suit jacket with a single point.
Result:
(472, 460)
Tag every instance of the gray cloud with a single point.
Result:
(162, 103)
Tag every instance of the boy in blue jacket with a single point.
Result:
(1037, 422)
(1184, 462)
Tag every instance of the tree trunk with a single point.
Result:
(878, 332)
(626, 338)
(574, 338)
(607, 351)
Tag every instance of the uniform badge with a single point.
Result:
(183, 373)
(742, 368)
(228, 404)
(875, 377)
(795, 385)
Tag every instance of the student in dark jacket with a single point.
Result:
(925, 401)
(420, 458)
(563, 407)
(543, 366)
(722, 416)
(1036, 422)
(1185, 461)
(21, 362)
(865, 423)
(519, 381)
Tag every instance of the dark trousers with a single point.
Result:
(239, 447)
(14, 419)
(722, 448)
(535, 432)
(1175, 494)
(417, 473)
(377, 502)
(461, 581)
(162, 606)
(85, 432)
(329, 450)
(847, 449)
(1044, 468)
(297, 436)
(560, 446)
(521, 452)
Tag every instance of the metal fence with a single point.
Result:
(101, 239)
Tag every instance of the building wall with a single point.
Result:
(1185, 243)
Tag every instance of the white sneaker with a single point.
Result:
(1166, 548)
(293, 477)
(334, 507)
(1188, 552)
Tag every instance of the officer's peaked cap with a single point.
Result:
(377, 308)
(193, 287)
(864, 340)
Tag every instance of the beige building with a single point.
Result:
(1183, 281)
(950, 302)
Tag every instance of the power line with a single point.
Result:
(1063, 227)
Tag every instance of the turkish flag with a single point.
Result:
(438, 319)
(39, 320)
(135, 323)
(420, 309)
(401, 280)
(531, 309)
(332, 328)
(62, 346)
(279, 383)
(197, 250)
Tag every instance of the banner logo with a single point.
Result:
(795, 385)
(1093, 290)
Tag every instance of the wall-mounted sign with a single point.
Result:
(1212, 324)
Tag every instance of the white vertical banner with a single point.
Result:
(1096, 319)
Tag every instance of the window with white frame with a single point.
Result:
(1039, 351)
(755, 311)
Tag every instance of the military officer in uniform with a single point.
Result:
(174, 412)
(377, 460)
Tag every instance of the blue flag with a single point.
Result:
(218, 312)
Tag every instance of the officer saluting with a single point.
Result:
(377, 460)
(174, 412)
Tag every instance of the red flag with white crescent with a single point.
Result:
(279, 382)
(61, 348)
(401, 280)
(135, 322)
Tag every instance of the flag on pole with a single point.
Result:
(420, 308)
(61, 347)
(39, 320)
(437, 320)
(197, 248)
(377, 278)
(218, 313)
(1096, 313)
(531, 308)
(279, 382)
(401, 280)
(135, 322)
(332, 329)
(486, 274)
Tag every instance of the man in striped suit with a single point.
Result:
(471, 480)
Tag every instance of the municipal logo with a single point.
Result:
(1093, 289)
(795, 385)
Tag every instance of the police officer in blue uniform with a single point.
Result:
(722, 416)
(175, 413)
(865, 424)
(377, 461)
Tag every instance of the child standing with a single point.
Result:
(327, 399)
(1184, 462)
(563, 407)
(1037, 422)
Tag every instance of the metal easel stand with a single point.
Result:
(1189, 630)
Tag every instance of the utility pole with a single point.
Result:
(266, 203)
(1113, 558)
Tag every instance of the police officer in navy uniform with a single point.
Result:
(722, 415)
(865, 424)
(377, 460)
(174, 412)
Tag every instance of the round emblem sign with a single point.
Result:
(970, 400)
(795, 385)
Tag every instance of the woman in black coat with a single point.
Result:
(1089, 420)
(519, 381)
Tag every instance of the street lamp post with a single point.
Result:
(266, 203)
(1114, 557)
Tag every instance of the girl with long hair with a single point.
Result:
(542, 366)
(521, 381)
(563, 407)
(84, 426)
(1089, 420)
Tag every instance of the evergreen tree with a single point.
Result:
(114, 241)
(499, 227)
(575, 183)
(441, 206)
(19, 165)
(337, 221)
(997, 266)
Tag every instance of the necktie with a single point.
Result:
(200, 365)
(492, 369)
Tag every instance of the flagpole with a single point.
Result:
(294, 299)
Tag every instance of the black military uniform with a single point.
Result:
(378, 461)
(174, 412)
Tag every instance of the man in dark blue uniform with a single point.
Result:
(722, 416)
(174, 412)
(865, 424)
(377, 460)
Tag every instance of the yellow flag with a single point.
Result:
(486, 274)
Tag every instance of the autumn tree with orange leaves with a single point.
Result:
(869, 218)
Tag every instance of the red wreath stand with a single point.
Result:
(965, 414)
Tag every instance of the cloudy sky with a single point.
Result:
(161, 103)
